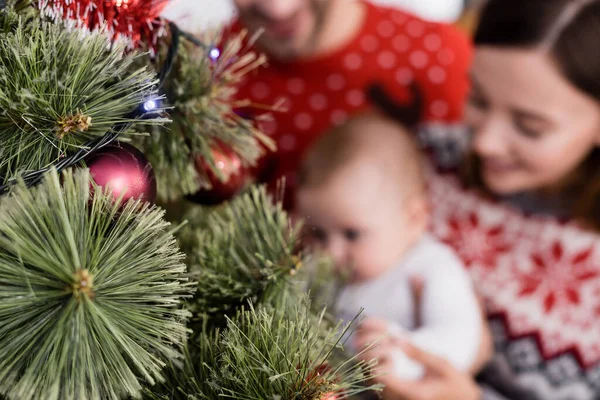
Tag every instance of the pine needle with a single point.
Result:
(284, 351)
(242, 250)
(280, 349)
(59, 89)
(252, 287)
(202, 91)
(194, 377)
(90, 293)
(14, 11)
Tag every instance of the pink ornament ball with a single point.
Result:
(124, 170)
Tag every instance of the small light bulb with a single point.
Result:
(150, 105)
(214, 53)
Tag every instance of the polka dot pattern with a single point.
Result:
(296, 86)
(419, 59)
(398, 17)
(437, 75)
(336, 82)
(395, 49)
(369, 43)
(386, 29)
(318, 102)
(386, 59)
(303, 121)
(401, 43)
(415, 28)
(404, 76)
(355, 97)
(353, 61)
(269, 127)
(432, 42)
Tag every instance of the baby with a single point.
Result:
(362, 193)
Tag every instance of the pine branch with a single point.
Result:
(285, 351)
(14, 11)
(202, 90)
(243, 249)
(317, 277)
(279, 350)
(193, 378)
(59, 89)
(90, 293)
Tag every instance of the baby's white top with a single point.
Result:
(450, 314)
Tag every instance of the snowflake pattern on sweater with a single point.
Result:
(539, 278)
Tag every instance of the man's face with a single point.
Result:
(291, 27)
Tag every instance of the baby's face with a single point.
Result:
(359, 220)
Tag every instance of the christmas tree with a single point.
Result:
(111, 114)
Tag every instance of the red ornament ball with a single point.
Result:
(125, 170)
(231, 168)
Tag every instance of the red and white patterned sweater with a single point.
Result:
(393, 48)
(540, 279)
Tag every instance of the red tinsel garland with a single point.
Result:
(136, 20)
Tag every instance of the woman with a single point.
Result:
(525, 216)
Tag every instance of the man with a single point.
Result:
(324, 54)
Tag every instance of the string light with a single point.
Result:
(150, 105)
(214, 53)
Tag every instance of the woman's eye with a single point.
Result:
(527, 131)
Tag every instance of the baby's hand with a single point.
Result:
(380, 335)
(404, 367)
(372, 331)
(376, 331)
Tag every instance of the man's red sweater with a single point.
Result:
(393, 48)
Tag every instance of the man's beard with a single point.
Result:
(321, 10)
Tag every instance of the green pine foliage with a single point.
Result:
(95, 301)
(202, 92)
(90, 293)
(194, 377)
(242, 249)
(285, 351)
(280, 349)
(15, 11)
(59, 89)
(256, 333)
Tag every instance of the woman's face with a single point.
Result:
(532, 127)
